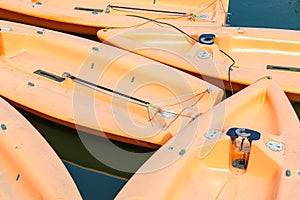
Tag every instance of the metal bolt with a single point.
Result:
(95, 49)
(182, 152)
(132, 79)
(30, 84)
(274, 146)
(40, 32)
(288, 172)
(6, 29)
(203, 54)
(202, 16)
(213, 134)
(3, 127)
(107, 9)
(18, 177)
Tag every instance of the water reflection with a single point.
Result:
(94, 185)
(295, 4)
(67, 144)
(296, 106)
(266, 14)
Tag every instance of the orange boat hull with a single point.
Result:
(86, 17)
(110, 92)
(30, 169)
(206, 160)
(257, 53)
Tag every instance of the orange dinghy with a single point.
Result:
(97, 88)
(30, 169)
(246, 147)
(88, 16)
(239, 56)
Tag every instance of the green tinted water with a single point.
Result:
(94, 179)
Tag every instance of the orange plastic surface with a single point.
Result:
(194, 166)
(29, 167)
(93, 110)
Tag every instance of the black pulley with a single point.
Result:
(207, 38)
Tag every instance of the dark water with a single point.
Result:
(94, 185)
(100, 179)
(95, 178)
(279, 14)
(283, 14)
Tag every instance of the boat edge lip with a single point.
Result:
(266, 85)
(27, 147)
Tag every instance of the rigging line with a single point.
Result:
(104, 92)
(224, 11)
(197, 101)
(174, 113)
(229, 70)
(184, 95)
(202, 94)
(146, 9)
(150, 20)
(229, 80)
(140, 24)
(166, 11)
(180, 113)
(195, 96)
(186, 34)
(149, 118)
(125, 27)
(223, 7)
(210, 3)
(159, 110)
(68, 75)
(143, 103)
(164, 23)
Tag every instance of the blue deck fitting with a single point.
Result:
(3, 127)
